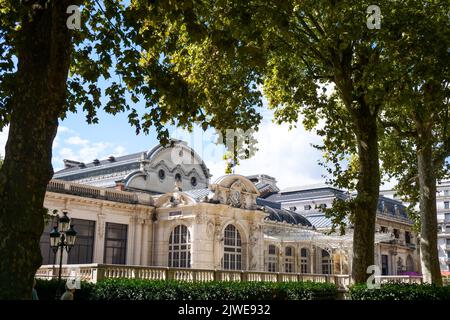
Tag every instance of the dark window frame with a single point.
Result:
(80, 247)
(122, 248)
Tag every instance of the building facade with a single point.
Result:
(443, 218)
(159, 208)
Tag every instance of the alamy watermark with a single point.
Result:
(374, 18)
(73, 22)
(374, 281)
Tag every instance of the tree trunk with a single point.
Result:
(43, 50)
(428, 216)
(368, 191)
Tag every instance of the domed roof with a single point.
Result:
(288, 216)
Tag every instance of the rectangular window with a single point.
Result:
(396, 233)
(447, 217)
(407, 237)
(446, 205)
(289, 267)
(115, 243)
(384, 265)
(271, 266)
(83, 250)
(448, 242)
(48, 257)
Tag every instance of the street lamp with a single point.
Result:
(64, 238)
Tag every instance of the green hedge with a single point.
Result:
(400, 291)
(133, 289)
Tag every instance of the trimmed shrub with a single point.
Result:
(135, 289)
(400, 291)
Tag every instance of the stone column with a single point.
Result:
(312, 260)
(145, 241)
(99, 243)
(131, 240)
(138, 240)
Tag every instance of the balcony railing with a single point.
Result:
(95, 272)
(59, 186)
(399, 279)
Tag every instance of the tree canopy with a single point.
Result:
(159, 65)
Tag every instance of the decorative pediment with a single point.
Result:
(235, 190)
(174, 199)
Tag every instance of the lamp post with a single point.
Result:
(62, 237)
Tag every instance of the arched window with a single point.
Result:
(289, 259)
(409, 264)
(232, 256)
(326, 262)
(272, 258)
(180, 248)
(304, 260)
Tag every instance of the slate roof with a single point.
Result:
(288, 216)
(306, 194)
(134, 157)
(276, 213)
(198, 194)
(319, 221)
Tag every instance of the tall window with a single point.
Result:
(180, 248)
(289, 259)
(116, 243)
(232, 257)
(396, 233)
(83, 250)
(447, 217)
(409, 264)
(304, 260)
(326, 262)
(272, 259)
(48, 257)
(384, 264)
(446, 205)
(399, 265)
(407, 237)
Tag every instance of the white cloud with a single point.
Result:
(287, 155)
(119, 151)
(79, 149)
(63, 129)
(67, 153)
(76, 140)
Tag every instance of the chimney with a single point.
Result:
(120, 185)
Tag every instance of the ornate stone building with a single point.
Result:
(159, 208)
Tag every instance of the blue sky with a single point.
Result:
(285, 154)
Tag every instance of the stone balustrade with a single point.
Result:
(400, 279)
(95, 272)
(82, 190)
